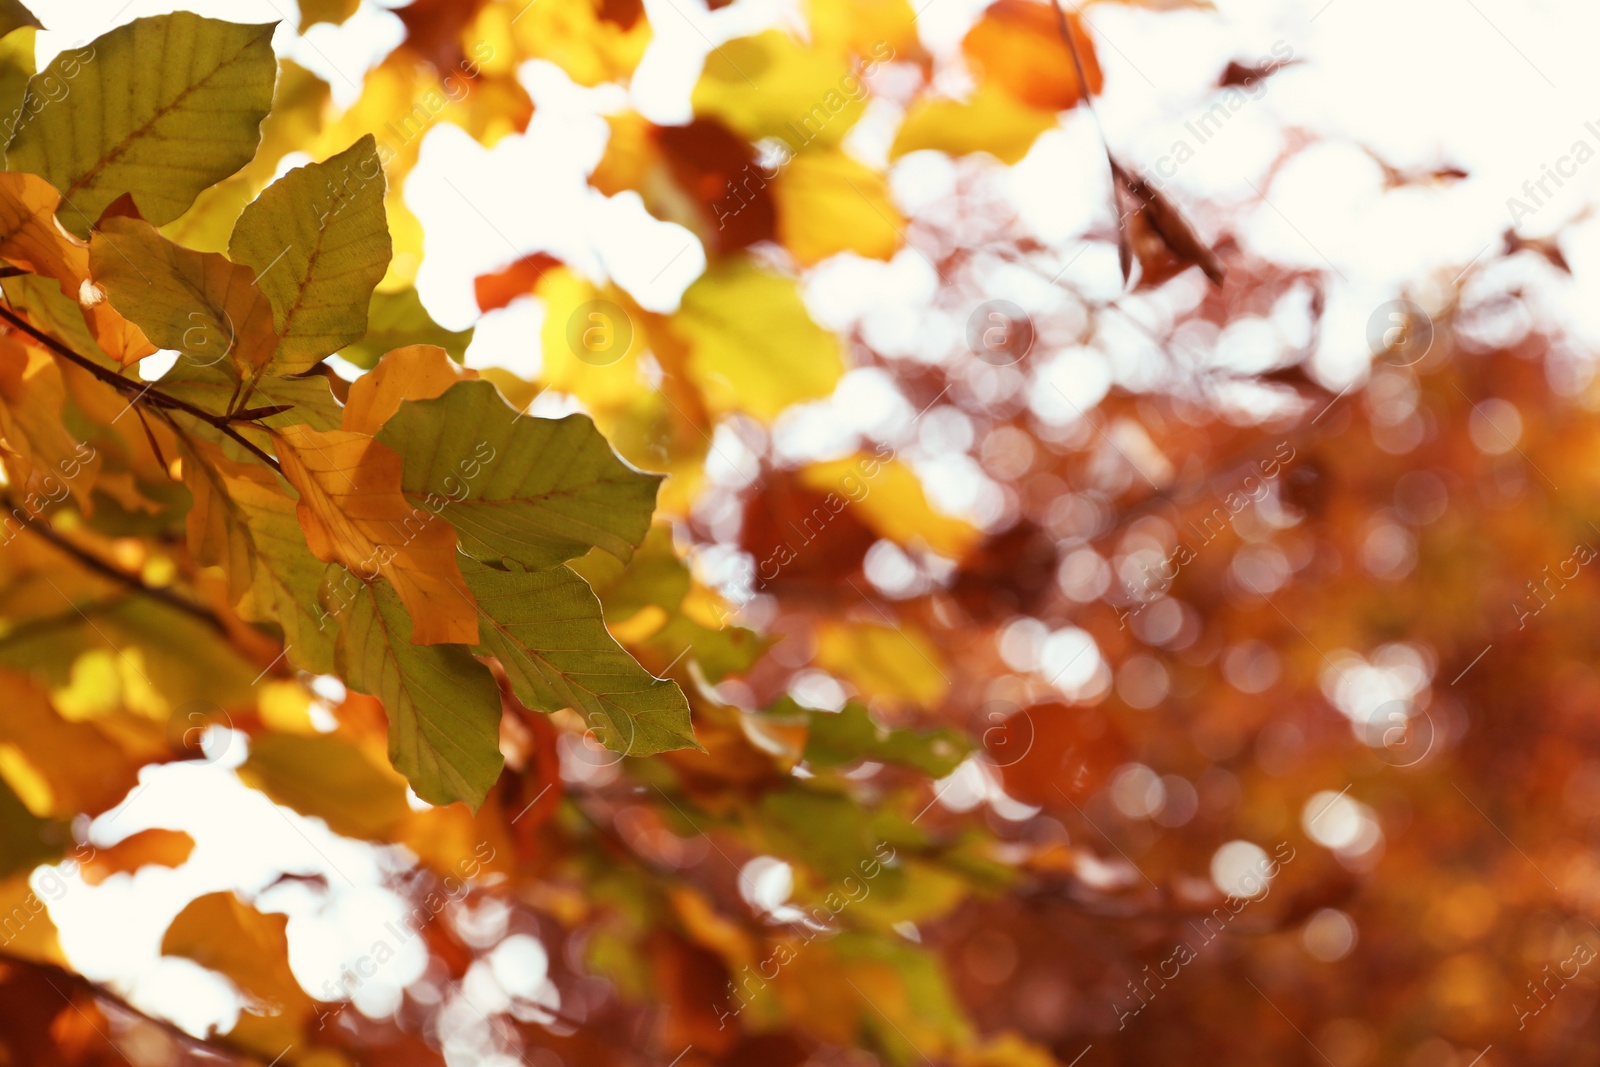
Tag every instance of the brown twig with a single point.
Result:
(58, 976)
(144, 393)
(99, 566)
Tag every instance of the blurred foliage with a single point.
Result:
(1242, 716)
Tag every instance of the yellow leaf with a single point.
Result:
(753, 347)
(222, 933)
(353, 513)
(892, 662)
(25, 926)
(334, 11)
(591, 341)
(299, 107)
(876, 31)
(75, 768)
(894, 504)
(991, 121)
(771, 85)
(829, 203)
(415, 372)
(580, 38)
(318, 240)
(195, 303)
(331, 778)
(163, 139)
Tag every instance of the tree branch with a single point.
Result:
(145, 393)
(58, 976)
(99, 566)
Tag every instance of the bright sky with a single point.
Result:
(1498, 88)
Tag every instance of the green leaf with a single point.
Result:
(545, 629)
(162, 108)
(395, 320)
(318, 240)
(443, 706)
(837, 739)
(287, 577)
(527, 490)
(16, 67)
(195, 303)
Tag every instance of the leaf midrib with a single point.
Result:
(108, 158)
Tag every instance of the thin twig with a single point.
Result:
(216, 1046)
(99, 566)
(141, 392)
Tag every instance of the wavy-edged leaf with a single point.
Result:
(165, 107)
(353, 514)
(532, 491)
(198, 304)
(545, 629)
(32, 240)
(318, 240)
(415, 372)
(223, 933)
(443, 705)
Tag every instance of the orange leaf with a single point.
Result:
(353, 513)
(498, 289)
(147, 848)
(1017, 46)
(415, 372)
(32, 240)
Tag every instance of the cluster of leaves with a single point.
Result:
(508, 605)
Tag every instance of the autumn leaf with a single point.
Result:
(318, 241)
(166, 139)
(416, 372)
(1017, 46)
(147, 848)
(195, 303)
(249, 948)
(530, 490)
(442, 704)
(545, 629)
(352, 513)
